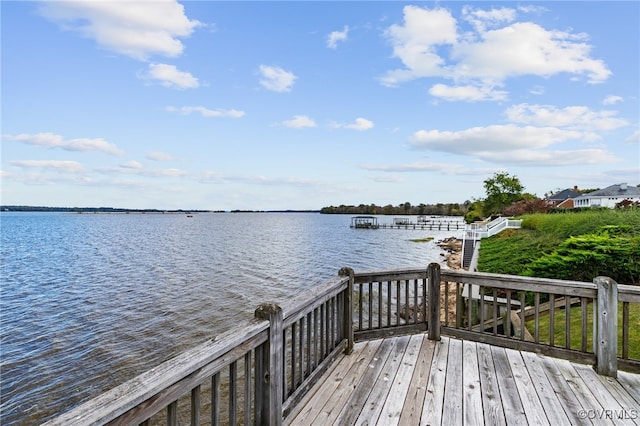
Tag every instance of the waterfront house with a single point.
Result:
(564, 199)
(609, 196)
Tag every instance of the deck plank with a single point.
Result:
(548, 398)
(580, 388)
(513, 409)
(434, 398)
(373, 406)
(353, 407)
(528, 396)
(410, 380)
(414, 402)
(610, 397)
(392, 409)
(491, 404)
(452, 410)
(472, 398)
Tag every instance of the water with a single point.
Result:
(90, 300)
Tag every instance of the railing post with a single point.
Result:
(605, 327)
(433, 274)
(272, 360)
(348, 310)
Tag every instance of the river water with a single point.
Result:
(90, 300)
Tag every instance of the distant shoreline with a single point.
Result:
(123, 210)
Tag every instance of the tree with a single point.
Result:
(502, 190)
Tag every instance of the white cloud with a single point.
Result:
(276, 79)
(511, 144)
(335, 36)
(159, 156)
(136, 29)
(572, 117)
(612, 99)
(467, 93)
(299, 122)
(205, 112)
(62, 166)
(430, 43)
(131, 165)
(170, 76)
(359, 124)
(634, 138)
(51, 140)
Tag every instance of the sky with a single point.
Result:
(299, 105)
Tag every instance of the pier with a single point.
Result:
(403, 347)
(434, 223)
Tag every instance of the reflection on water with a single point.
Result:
(90, 300)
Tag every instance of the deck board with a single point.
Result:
(410, 380)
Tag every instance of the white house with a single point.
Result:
(609, 196)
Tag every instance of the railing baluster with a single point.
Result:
(398, 301)
(567, 322)
(522, 306)
(309, 326)
(584, 317)
(215, 399)
(625, 330)
(552, 316)
(481, 294)
(247, 388)
(195, 405)
(379, 304)
(389, 294)
(233, 392)
(360, 296)
(507, 325)
(495, 311)
(469, 307)
(172, 414)
(294, 340)
(536, 330)
(370, 313)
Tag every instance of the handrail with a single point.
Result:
(291, 346)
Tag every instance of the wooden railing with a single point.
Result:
(504, 310)
(256, 373)
(253, 374)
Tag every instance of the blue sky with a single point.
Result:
(300, 105)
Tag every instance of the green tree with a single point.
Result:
(502, 190)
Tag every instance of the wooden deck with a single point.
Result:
(410, 380)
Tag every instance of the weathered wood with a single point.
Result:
(491, 403)
(348, 309)
(452, 407)
(551, 405)
(414, 401)
(274, 383)
(605, 321)
(472, 396)
(145, 395)
(434, 301)
(513, 409)
(372, 407)
(528, 396)
(434, 398)
(564, 392)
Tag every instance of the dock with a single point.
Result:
(410, 347)
(411, 380)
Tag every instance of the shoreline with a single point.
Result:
(452, 247)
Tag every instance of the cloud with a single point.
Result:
(159, 156)
(431, 43)
(335, 36)
(50, 140)
(132, 165)
(359, 124)
(445, 168)
(513, 145)
(634, 138)
(571, 117)
(467, 93)
(62, 166)
(170, 76)
(137, 29)
(299, 122)
(205, 112)
(276, 79)
(612, 99)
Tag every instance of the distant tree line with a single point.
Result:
(90, 210)
(449, 209)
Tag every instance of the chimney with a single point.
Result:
(623, 186)
(575, 188)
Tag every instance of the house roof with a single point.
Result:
(618, 190)
(564, 195)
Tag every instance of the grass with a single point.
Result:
(422, 240)
(575, 329)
